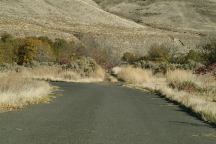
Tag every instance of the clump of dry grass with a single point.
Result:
(57, 73)
(184, 80)
(179, 76)
(99, 73)
(52, 73)
(134, 75)
(193, 91)
(17, 92)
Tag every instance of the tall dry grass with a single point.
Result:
(179, 76)
(17, 92)
(134, 75)
(52, 73)
(18, 89)
(57, 73)
(193, 91)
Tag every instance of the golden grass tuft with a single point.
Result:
(180, 76)
(134, 75)
(57, 73)
(99, 73)
(184, 80)
(52, 73)
(17, 92)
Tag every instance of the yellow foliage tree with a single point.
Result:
(27, 52)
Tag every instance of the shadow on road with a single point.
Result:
(190, 124)
(188, 111)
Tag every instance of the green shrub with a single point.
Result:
(159, 53)
(178, 58)
(6, 37)
(190, 59)
(188, 86)
(7, 54)
(193, 56)
(209, 51)
(61, 44)
(129, 57)
(163, 68)
(45, 39)
(8, 48)
(44, 53)
(64, 50)
(102, 56)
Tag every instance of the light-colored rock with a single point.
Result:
(116, 70)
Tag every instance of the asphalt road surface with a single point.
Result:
(103, 114)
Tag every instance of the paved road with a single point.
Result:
(103, 114)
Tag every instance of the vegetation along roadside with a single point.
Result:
(27, 64)
(188, 79)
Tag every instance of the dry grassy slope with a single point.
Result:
(95, 27)
(187, 15)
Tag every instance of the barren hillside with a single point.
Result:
(180, 15)
(86, 21)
